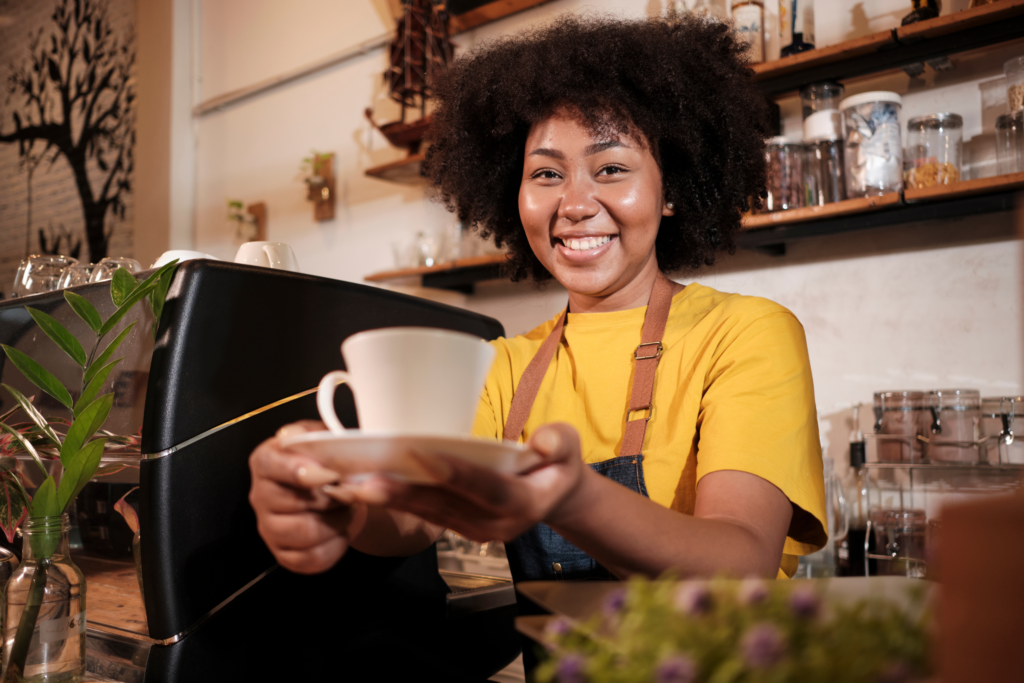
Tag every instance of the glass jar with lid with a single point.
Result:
(1010, 142)
(1002, 430)
(900, 418)
(823, 137)
(872, 153)
(786, 186)
(818, 97)
(900, 537)
(954, 430)
(934, 150)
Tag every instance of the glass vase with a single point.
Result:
(56, 651)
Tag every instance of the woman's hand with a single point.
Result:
(306, 530)
(484, 505)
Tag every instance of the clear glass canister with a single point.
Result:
(1009, 142)
(786, 188)
(900, 417)
(824, 141)
(820, 97)
(56, 651)
(1014, 72)
(934, 149)
(872, 153)
(1002, 430)
(900, 535)
(954, 429)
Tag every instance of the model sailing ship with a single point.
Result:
(420, 50)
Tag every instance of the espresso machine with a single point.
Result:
(237, 353)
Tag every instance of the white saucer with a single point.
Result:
(357, 453)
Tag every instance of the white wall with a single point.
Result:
(921, 306)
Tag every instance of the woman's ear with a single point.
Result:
(669, 209)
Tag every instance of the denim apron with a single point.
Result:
(541, 554)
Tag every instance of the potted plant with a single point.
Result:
(46, 595)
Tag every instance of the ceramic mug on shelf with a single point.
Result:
(410, 380)
(182, 255)
(268, 255)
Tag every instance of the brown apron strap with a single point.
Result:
(529, 383)
(646, 355)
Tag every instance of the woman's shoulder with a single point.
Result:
(698, 304)
(524, 345)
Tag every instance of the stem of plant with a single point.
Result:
(23, 638)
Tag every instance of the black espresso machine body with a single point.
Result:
(238, 353)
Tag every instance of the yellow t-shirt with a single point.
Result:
(733, 391)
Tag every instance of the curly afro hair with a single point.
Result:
(680, 86)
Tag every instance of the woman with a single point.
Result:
(678, 423)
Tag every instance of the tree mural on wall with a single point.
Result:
(77, 102)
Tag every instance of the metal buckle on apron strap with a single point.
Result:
(637, 356)
(648, 408)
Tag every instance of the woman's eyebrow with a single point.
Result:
(590, 150)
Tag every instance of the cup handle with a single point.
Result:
(325, 400)
(279, 256)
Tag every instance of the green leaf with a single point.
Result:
(102, 359)
(137, 295)
(38, 375)
(12, 507)
(44, 503)
(95, 384)
(85, 310)
(34, 414)
(27, 445)
(79, 472)
(121, 285)
(92, 418)
(59, 334)
(158, 296)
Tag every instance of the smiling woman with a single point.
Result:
(676, 424)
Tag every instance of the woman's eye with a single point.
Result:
(546, 174)
(611, 170)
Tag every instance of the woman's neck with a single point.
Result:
(634, 294)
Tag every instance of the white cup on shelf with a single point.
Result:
(268, 255)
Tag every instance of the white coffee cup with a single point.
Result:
(410, 380)
(182, 255)
(268, 255)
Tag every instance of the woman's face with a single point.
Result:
(591, 208)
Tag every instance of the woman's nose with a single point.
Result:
(578, 202)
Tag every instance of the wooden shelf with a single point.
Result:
(770, 232)
(893, 49)
(407, 171)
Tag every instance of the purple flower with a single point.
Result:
(676, 669)
(753, 591)
(897, 672)
(614, 602)
(693, 599)
(570, 669)
(763, 645)
(556, 628)
(804, 602)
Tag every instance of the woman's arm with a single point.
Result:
(739, 524)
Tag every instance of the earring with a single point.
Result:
(670, 206)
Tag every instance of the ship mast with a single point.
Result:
(420, 50)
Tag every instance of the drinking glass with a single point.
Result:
(40, 274)
(76, 274)
(105, 268)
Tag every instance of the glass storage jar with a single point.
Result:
(1002, 430)
(824, 141)
(785, 175)
(1009, 142)
(1013, 69)
(818, 97)
(872, 153)
(901, 417)
(56, 650)
(900, 536)
(934, 148)
(954, 428)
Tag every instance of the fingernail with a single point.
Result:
(291, 430)
(435, 467)
(316, 476)
(340, 493)
(547, 441)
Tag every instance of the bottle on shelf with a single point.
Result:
(923, 9)
(748, 16)
(850, 550)
(796, 26)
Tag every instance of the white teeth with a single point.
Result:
(586, 244)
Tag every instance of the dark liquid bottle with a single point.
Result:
(850, 550)
(798, 27)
